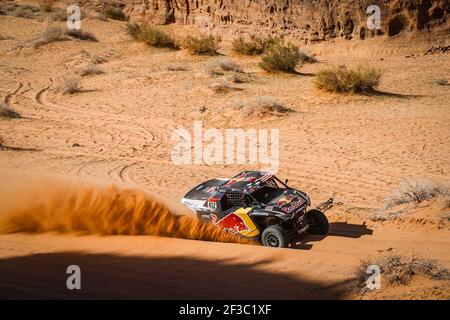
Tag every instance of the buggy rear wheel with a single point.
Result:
(318, 222)
(275, 236)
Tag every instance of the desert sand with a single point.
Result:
(356, 148)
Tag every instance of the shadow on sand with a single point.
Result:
(377, 93)
(9, 148)
(111, 276)
(337, 229)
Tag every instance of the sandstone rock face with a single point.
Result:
(311, 20)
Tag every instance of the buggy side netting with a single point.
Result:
(238, 199)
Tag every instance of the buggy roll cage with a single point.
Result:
(262, 205)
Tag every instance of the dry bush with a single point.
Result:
(239, 77)
(70, 85)
(221, 86)
(81, 35)
(58, 15)
(51, 34)
(441, 82)
(416, 191)
(99, 16)
(151, 35)
(360, 273)
(447, 203)
(6, 111)
(6, 37)
(219, 66)
(46, 5)
(261, 106)
(7, 8)
(346, 80)
(202, 45)
(89, 69)
(134, 30)
(177, 67)
(98, 59)
(95, 59)
(254, 45)
(26, 11)
(307, 58)
(281, 58)
(114, 13)
(396, 270)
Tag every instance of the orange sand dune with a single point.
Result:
(356, 148)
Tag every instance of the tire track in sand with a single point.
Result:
(8, 98)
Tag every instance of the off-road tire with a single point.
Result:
(275, 236)
(319, 222)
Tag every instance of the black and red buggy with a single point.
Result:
(259, 206)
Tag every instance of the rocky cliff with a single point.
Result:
(311, 20)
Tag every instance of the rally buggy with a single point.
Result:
(258, 205)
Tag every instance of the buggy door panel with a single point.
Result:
(252, 230)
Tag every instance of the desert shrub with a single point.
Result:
(261, 106)
(58, 15)
(100, 16)
(96, 59)
(346, 80)
(6, 111)
(281, 58)
(177, 67)
(26, 11)
(51, 34)
(46, 5)
(70, 85)
(134, 30)
(417, 191)
(6, 37)
(397, 270)
(81, 35)
(360, 273)
(7, 8)
(221, 86)
(239, 77)
(254, 45)
(447, 202)
(307, 58)
(114, 13)
(202, 45)
(151, 35)
(441, 82)
(89, 69)
(219, 66)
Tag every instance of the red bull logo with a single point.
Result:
(284, 201)
(235, 180)
(293, 206)
(232, 223)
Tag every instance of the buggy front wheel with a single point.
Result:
(275, 236)
(318, 222)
